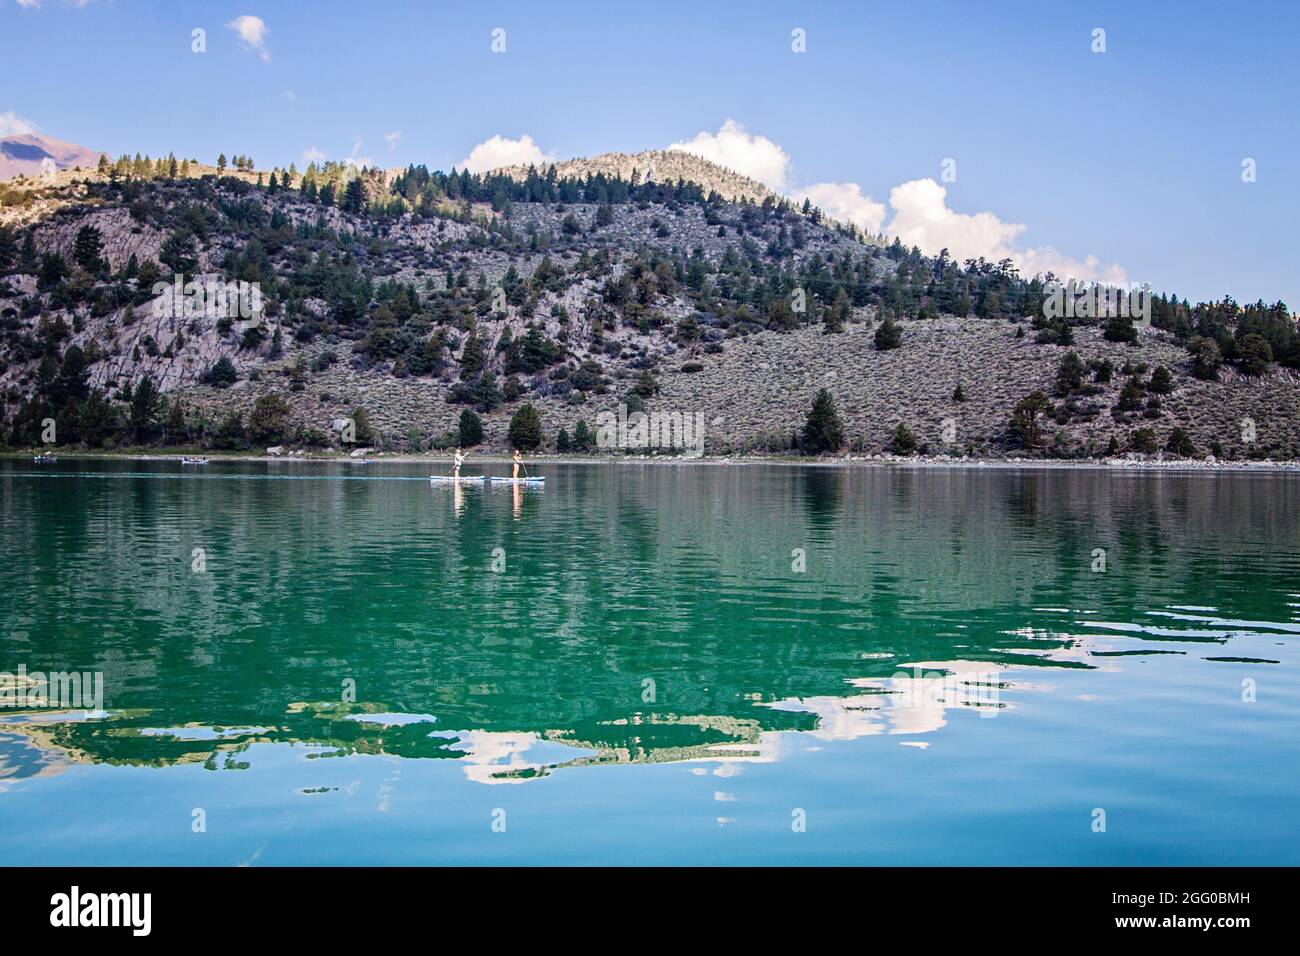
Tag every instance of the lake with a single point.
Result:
(327, 663)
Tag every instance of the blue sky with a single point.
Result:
(1133, 156)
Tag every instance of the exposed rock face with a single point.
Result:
(31, 155)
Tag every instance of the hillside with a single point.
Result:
(415, 296)
(657, 165)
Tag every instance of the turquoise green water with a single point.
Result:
(698, 664)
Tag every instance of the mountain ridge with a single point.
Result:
(26, 154)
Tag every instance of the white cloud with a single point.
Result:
(313, 155)
(392, 138)
(922, 218)
(11, 124)
(845, 202)
(500, 151)
(750, 155)
(252, 32)
(921, 215)
(289, 95)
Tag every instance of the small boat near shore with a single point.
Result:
(45, 459)
(188, 460)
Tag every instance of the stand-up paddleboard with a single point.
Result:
(461, 478)
(519, 481)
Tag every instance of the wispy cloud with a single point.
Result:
(392, 138)
(11, 124)
(921, 214)
(252, 32)
(354, 159)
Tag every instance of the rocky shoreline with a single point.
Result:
(1136, 463)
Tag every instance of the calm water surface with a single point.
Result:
(699, 664)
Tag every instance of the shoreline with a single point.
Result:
(912, 462)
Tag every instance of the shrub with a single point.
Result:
(903, 440)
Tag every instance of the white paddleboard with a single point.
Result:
(519, 481)
(461, 478)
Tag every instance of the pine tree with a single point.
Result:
(888, 335)
(823, 431)
(471, 429)
(8, 249)
(582, 439)
(354, 197)
(471, 358)
(526, 428)
(1025, 424)
(87, 248)
(145, 402)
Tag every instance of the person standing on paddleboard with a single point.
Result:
(518, 461)
(459, 460)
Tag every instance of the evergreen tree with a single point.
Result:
(1254, 355)
(1180, 443)
(582, 437)
(526, 428)
(471, 429)
(1025, 423)
(1069, 377)
(354, 197)
(1130, 396)
(27, 258)
(888, 335)
(823, 431)
(471, 358)
(1206, 358)
(8, 249)
(145, 404)
(1119, 328)
(222, 374)
(87, 249)
(72, 384)
(269, 419)
(1162, 381)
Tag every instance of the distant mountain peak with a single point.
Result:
(31, 154)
